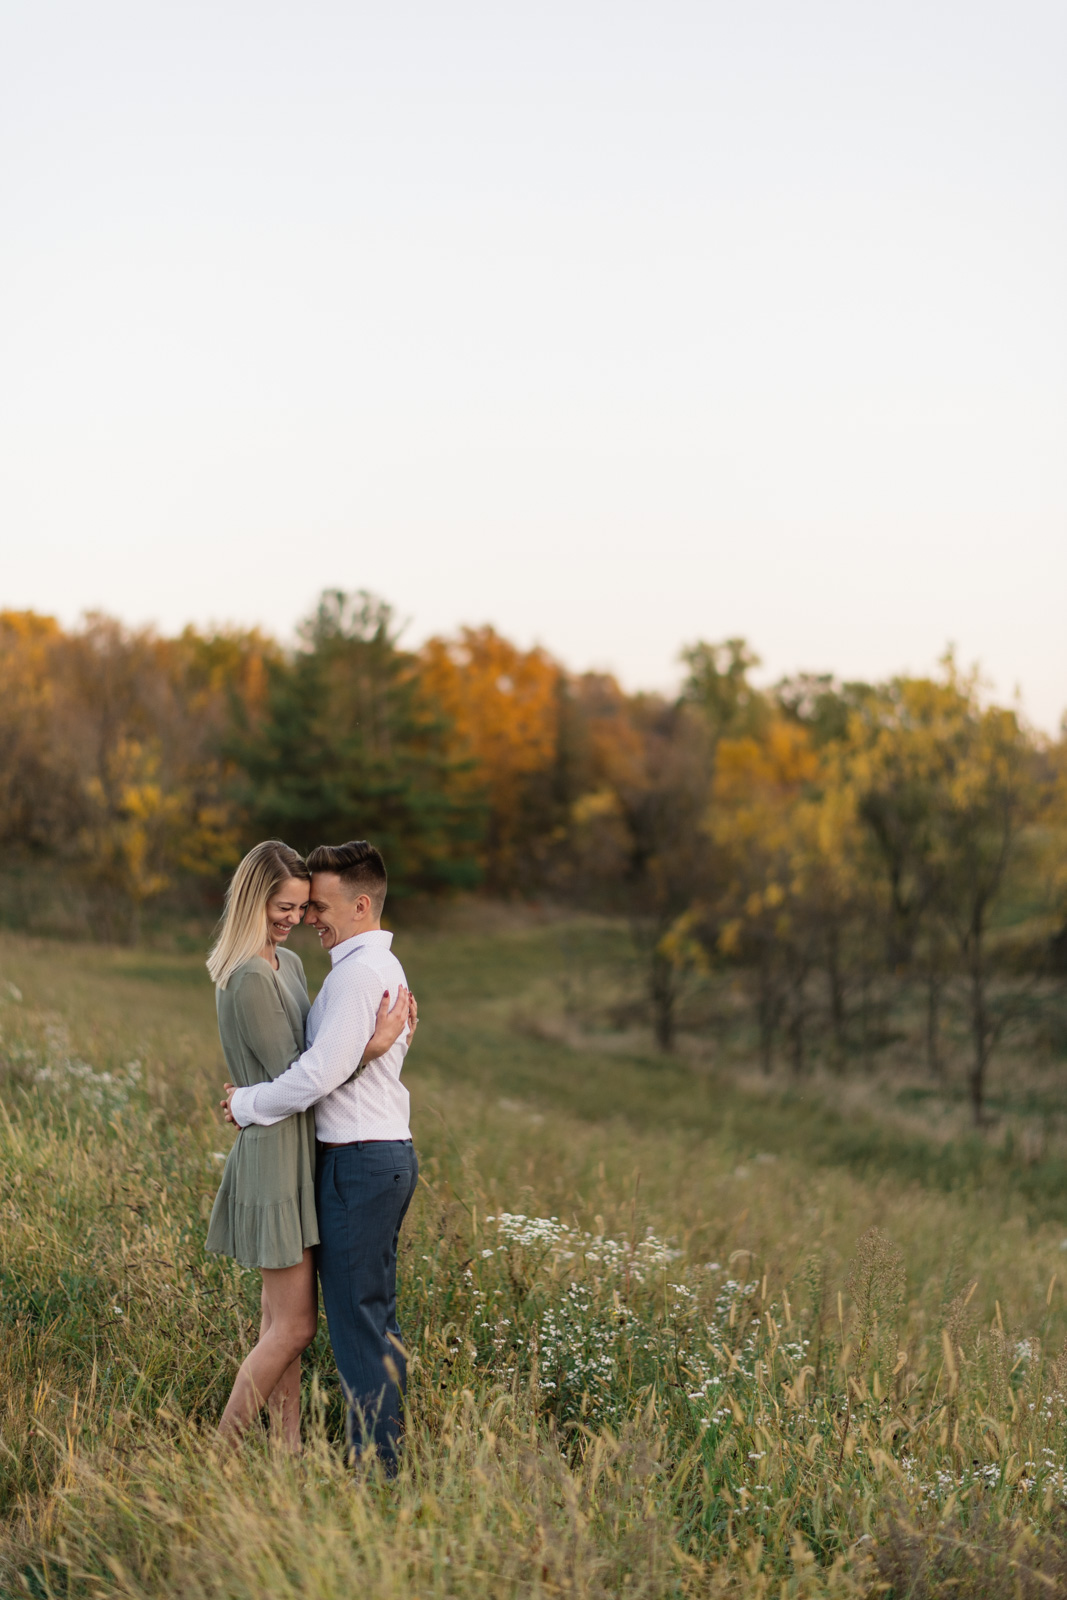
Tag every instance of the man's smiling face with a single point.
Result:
(334, 914)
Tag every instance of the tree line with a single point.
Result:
(817, 838)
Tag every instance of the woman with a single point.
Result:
(264, 1213)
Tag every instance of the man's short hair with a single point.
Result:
(359, 866)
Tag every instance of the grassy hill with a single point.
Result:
(675, 1330)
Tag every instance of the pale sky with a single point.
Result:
(616, 325)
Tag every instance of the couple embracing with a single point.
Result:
(323, 1169)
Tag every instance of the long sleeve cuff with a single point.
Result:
(241, 1106)
(250, 1114)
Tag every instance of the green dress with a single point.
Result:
(264, 1212)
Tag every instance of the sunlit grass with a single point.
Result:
(667, 1338)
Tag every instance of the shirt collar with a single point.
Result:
(348, 947)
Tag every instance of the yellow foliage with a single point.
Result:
(595, 807)
(502, 703)
(764, 819)
(138, 833)
(679, 945)
(502, 700)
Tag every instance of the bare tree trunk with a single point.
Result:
(837, 994)
(980, 1033)
(865, 1014)
(933, 1023)
(796, 1024)
(767, 1013)
(662, 991)
(796, 1041)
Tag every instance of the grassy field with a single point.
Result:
(674, 1330)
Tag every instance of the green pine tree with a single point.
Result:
(348, 747)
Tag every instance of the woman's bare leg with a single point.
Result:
(285, 1407)
(288, 1327)
(284, 1402)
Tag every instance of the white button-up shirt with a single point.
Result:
(339, 1025)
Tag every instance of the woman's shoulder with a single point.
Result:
(252, 972)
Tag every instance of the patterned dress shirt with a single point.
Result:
(372, 1105)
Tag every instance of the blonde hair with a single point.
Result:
(243, 929)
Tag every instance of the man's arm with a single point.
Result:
(347, 1025)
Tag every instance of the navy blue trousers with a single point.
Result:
(362, 1192)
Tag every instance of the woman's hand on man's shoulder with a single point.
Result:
(390, 1022)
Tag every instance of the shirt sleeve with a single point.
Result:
(351, 1003)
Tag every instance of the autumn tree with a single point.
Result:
(822, 704)
(717, 683)
(36, 784)
(152, 782)
(662, 796)
(635, 832)
(112, 773)
(945, 786)
(503, 709)
(844, 898)
(988, 802)
(636, 827)
(764, 837)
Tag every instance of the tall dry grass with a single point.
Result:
(645, 1359)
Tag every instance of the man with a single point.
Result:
(367, 1169)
